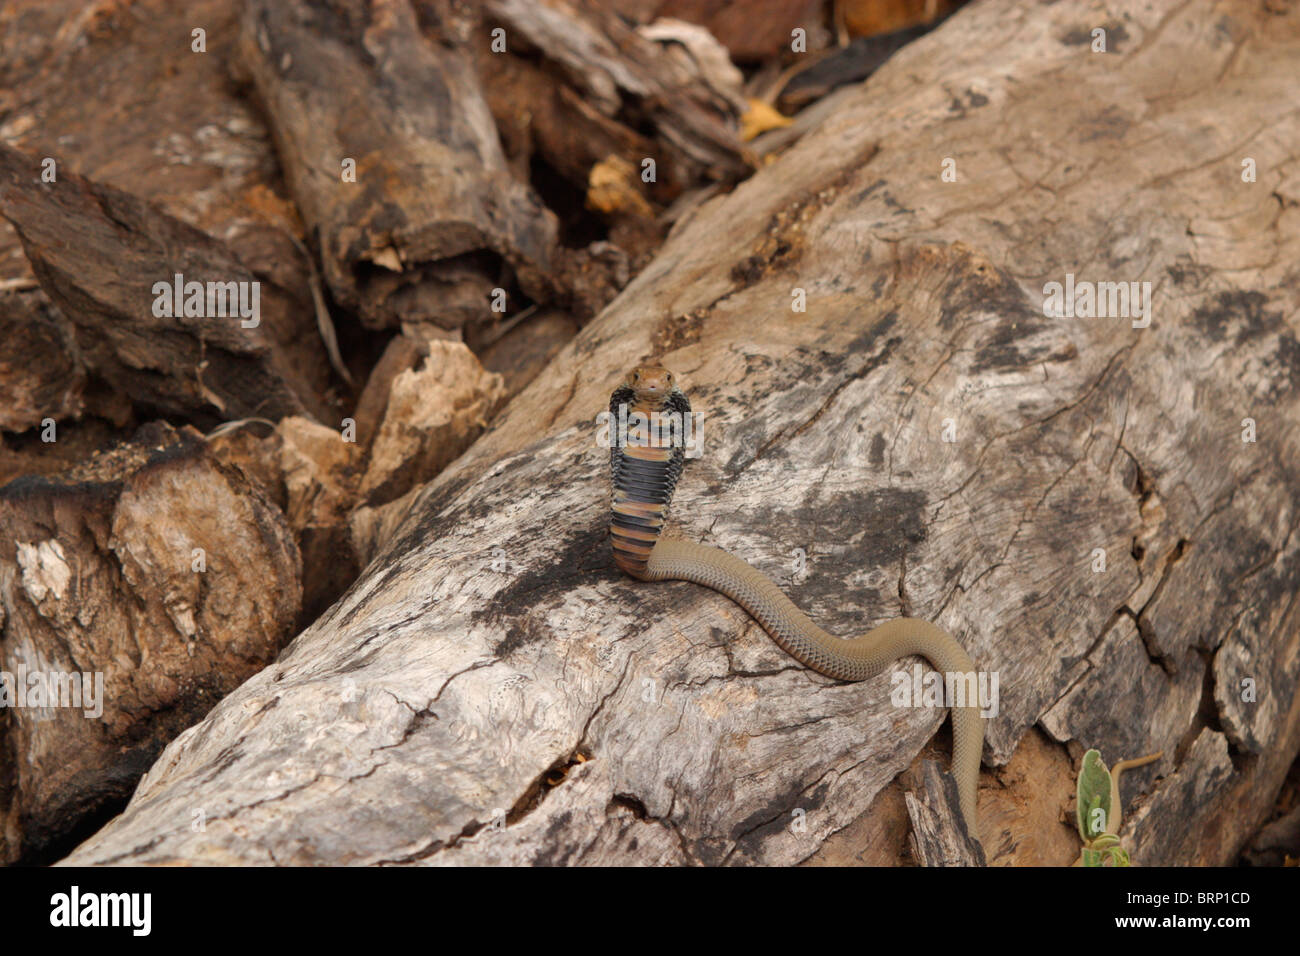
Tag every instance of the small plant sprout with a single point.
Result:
(1099, 813)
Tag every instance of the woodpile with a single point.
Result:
(306, 317)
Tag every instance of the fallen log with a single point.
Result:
(79, 87)
(617, 69)
(162, 311)
(1101, 509)
(86, 94)
(140, 587)
(394, 162)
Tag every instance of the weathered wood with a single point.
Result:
(320, 474)
(939, 837)
(592, 101)
(935, 443)
(421, 233)
(400, 355)
(160, 579)
(41, 372)
(544, 120)
(524, 352)
(99, 253)
(538, 115)
(433, 413)
(1277, 844)
(618, 70)
(428, 414)
(79, 84)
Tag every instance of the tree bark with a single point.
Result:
(79, 85)
(99, 254)
(41, 372)
(616, 68)
(419, 232)
(149, 581)
(492, 691)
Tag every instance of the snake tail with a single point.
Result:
(1116, 808)
(644, 480)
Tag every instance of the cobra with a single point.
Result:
(646, 466)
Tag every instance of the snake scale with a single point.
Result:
(645, 475)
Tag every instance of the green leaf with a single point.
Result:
(1115, 856)
(1093, 809)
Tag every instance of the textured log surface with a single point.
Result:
(491, 691)
(164, 572)
(41, 373)
(99, 252)
(616, 68)
(420, 233)
(938, 837)
(79, 84)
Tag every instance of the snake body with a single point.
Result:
(645, 475)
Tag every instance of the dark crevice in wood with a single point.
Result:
(550, 778)
(1145, 629)
(631, 803)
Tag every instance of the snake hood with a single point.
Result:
(646, 458)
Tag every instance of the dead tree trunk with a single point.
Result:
(1072, 497)
(392, 156)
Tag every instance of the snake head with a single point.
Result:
(651, 383)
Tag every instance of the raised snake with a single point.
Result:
(645, 475)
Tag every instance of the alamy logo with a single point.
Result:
(1098, 300)
(211, 300)
(40, 689)
(102, 909)
(922, 688)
